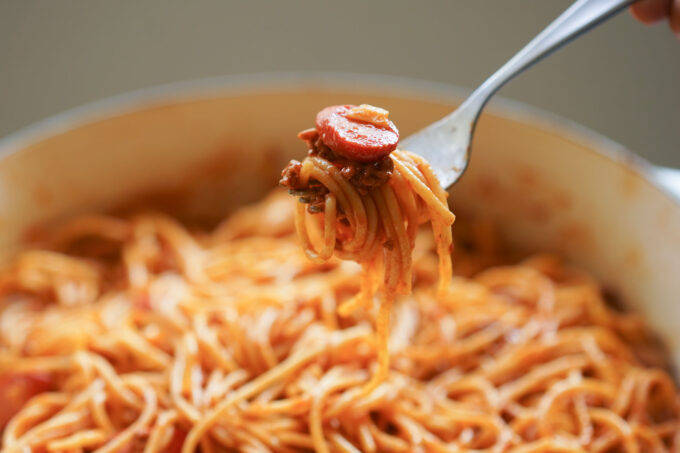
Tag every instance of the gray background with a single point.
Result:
(622, 79)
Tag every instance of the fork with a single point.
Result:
(446, 143)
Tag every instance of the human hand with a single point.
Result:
(652, 11)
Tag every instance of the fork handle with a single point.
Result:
(580, 17)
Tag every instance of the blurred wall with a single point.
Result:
(622, 79)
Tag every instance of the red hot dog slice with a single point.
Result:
(360, 133)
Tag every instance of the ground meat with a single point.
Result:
(290, 176)
(313, 193)
(363, 176)
(368, 175)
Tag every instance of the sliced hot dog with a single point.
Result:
(360, 133)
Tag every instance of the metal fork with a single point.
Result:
(446, 143)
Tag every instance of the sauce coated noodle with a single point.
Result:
(155, 338)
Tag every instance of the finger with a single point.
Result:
(651, 11)
(674, 20)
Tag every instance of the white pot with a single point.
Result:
(552, 185)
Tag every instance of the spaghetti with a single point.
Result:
(371, 219)
(136, 334)
(144, 337)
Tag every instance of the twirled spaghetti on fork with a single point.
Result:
(372, 207)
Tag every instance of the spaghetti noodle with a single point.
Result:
(150, 338)
(136, 334)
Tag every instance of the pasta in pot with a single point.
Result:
(148, 337)
(137, 334)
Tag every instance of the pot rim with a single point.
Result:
(262, 82)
